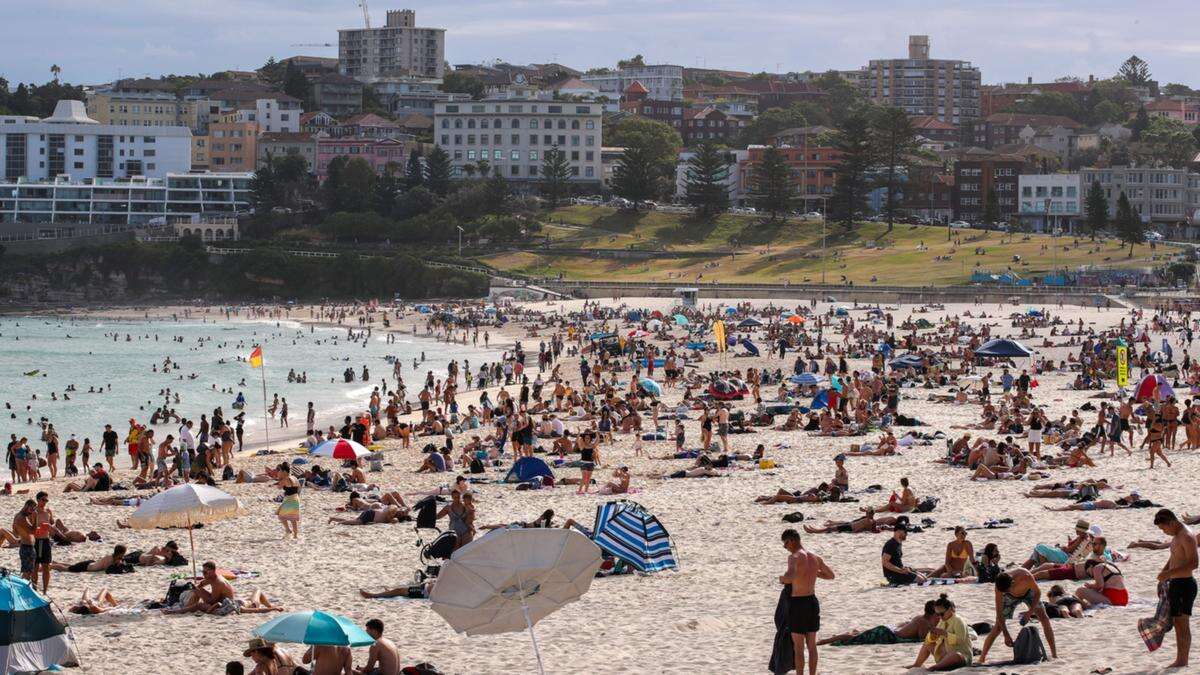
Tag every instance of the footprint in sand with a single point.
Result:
(704, 625)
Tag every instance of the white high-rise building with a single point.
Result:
(664, 82)
(398, 50)
(69, 143)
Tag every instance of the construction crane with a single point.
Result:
(366, 13)
(314, 44)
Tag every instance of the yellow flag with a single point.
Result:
(719, 334)
(1122, 365)
(256, 358)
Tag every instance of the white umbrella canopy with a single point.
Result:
(511, 579)
(186, 505)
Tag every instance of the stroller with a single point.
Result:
(441, 546)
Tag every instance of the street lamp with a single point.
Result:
(460, 234)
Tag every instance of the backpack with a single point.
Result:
(793, 517)
(176, 590)
(476, 465)
(1028, 647)
(926, 504)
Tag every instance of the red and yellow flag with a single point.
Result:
(256, 358)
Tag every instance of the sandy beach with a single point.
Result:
(713, 614)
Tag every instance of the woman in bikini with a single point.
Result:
(959, 554)
(289, 509)
(1108, 587)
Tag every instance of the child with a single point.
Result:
(680, 436)
(637, 448)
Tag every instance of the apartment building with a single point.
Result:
(813, 173)
(662, 82)
(120, 203)
(283, 144)
(1158, 195)
(709, 124)
(635, 99)
(69, 143)
(1051, 201)
(336, 94)
(398, 50)
(383, 154)
(1018, 128)
(732, 182)
(272, 111)
(140, 108)
(513, 134)
(232, 144)
(945, 88)
(977, 174)
(928, 190)
(1184, 109)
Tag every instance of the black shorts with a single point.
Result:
(45, 551)
(28, 558)
(900, 579)
(804, 614)
(1181, 593)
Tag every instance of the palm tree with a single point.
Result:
(55, 70)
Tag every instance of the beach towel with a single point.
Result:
(1155, 628)
(879, 635)
(783, 656)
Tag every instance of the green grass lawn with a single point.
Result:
(757, 251)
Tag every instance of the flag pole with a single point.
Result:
(266, 420)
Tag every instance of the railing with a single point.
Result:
(1016, 290)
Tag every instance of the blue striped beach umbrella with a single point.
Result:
(31, 637)
(626, 530)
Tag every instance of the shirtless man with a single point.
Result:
(327, 660)
(1014, 587)
(43, 547)
(1181, 589)
(804, 611)
(384, 657)
(23, 526)
(210, 594)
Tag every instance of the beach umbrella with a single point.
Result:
(626, 530)
(314, 628)
(32, 638)
(654, 324)
(681, 320)
(340, 448)
(795, 319)
(510, 579)
(638, 333)
(1004, 348)
(186, 505)
(731, 310)
(749, 323)
(806, 380)
(650, 386)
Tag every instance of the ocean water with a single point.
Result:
(41, 358)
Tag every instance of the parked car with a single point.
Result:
(813, 215)
(1154, 236)
(960, 225)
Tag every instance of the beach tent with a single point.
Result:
(841, 311)
(795, 319)
(654, 324)
(424, 309)
(1153, 388)
(914, 361)
(722, 390)
(820, 401)
(528, 468)
(601, 335)
(650, 387)
(681, 320)
(697, 345)
(626, 530)
(806, 379)
(633, 316)
(924, 323)
(731, 310)
(749, 323)
(750, 348)
(1004, 349)
(32, 639)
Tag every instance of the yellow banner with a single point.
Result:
(1122, 365)
(719, 334)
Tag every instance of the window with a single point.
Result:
(590, 141)
(547, 139)
(515, 155)
(589, 156)
(148, 152)
(148, 139)
(458, 154)
(471, 123)
(575, 124)
(470, 154)
(575, 141)
(533, 139)
(533, 155)
(590, 124)
(497, 154)
(516, 139)
(78, 165)
(574, 155)
(515, 124)
(555, 109)
(533, 123)
(582, 110)
(451, 108)
(78, 152)
(458, 139)
(562, 124)
(445, 139)
(533, 170)
(470, 139)
(483, 124)
(589, 172)
(515, 170)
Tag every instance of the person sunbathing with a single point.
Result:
(619, 484)
(373, 516)
(821, 493)
(113, 561)
(1057, 605)
(546, 520)
(167, 554)
(695, 472)
(794, 422)
(1131, 501)
(864, 523)
(913, 630)
(877, 451)
(131, 500)
(104, 601)
(959, 553)
(1059, 571)
(1065, 490)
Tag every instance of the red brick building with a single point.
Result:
(935, 129)
(978, 173)
(709, 124)
(813, 173)
(636, 100)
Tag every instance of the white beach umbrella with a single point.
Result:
(186, 505)
(512, 578)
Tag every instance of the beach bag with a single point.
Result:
(793, 517)
(421, 669)
(176, 590)
(926, 504)
(1028, 647)
(476, 465)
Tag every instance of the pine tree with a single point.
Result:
(894, 137)
(704, 181)
(556, 174)
(772, 184)
(496, 191)
(991, 207)
(637, 176)
(1140, 123)
(1130, 229)
(853, 142)
(414, 173)
(437, 172)
(1096, 207)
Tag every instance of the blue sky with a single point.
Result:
(98, 41)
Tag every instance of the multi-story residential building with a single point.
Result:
(336, 94)
(977, 174)
(1184, 109)
(636, 100)
(272, 111)
(928, 190)
(934, 129)
(1017, 128)
(232, 144)
(732, 182)
(121, 203)
(801, 136)
(200, 153)
(281, 144)
(945, 88)
(398, 50)
(317, 122)
(366, 125)
(1051, 201)
(513, 134)
(1000, 98)
(311, 66)
(381, 153)
(69, 143)
(148, 108)
(1157, 195)
(813, 173)
(662, 82)
(709, 124)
